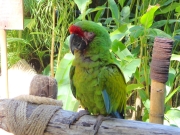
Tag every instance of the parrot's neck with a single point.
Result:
(88, 60)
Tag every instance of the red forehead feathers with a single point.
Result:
(73, 29)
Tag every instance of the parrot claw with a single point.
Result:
(77, 116)
(99, 120)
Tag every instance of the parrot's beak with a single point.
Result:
(77, 43)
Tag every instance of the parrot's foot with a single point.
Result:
(99, 120)
(77, 116)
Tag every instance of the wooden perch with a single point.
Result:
(58, 124)
(159, 75)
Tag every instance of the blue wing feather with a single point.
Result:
(107, 103)
(116, 114)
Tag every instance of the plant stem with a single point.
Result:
(144, 62)
(19, 45)
(52, 44)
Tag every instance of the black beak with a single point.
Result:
(77, 43)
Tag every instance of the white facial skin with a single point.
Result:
(89, 35)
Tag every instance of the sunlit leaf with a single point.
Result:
(171, 94)
(148, 18)
(178, 9)
(131, 87)
(116, 45)
(130, 108)
(129, 66)
(29, 23)
(64, 90)
(173, 117)
(175, 57)
(170, 82)
(125, 13)
(120, 49)
(147, 104)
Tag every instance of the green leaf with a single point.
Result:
(171, 76)
(120, 49)
(121, 2)
(20, 40)
(41, 33)
(143, 95)
(64, 66)
(173, 117)
(116, 35)
(177, 31)
(114, 10)
(99, 14)
(29, 23)
(130, 108)
(171, 94)
(64, 90)
(125, 13)
(148, 18)
(145, 117)
(157, 32)
(167, 9)
(82, 4)
(175, 57)
(116, 45)
(177, 9)
(121, 32)
(177, 37)
(128, 66)
(47, 70)
(164, 3)
(147, 104)
(137, 75)
(136, 31)
(131, 87)
(99, 8)
(170, 82)
(161, 23)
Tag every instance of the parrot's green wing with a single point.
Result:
(114, 92)
(71, 73)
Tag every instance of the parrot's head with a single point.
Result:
(88, 35)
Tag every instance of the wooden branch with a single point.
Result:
(58, 124)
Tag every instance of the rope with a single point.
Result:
(39, 100)
(17, 121)
(161, 59)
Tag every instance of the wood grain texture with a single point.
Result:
(58, 125)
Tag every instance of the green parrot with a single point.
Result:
(96, 80)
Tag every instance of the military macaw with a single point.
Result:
(96, 80)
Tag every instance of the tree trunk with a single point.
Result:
(59, 124)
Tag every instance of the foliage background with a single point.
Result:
(132, 26)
